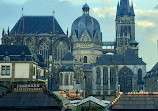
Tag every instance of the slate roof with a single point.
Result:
(85, 22)
(15, 53)
(129, 58)
(40, 61)
(37, 24)
(155, 67)
(124, 8)
(108, 43)
(14, 50)
(136, 102)
(66, 68)
(68, 57)
(88, 67)
(28, 100)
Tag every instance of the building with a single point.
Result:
(135, 102)
(17, 64)
(79, 62)
(151, 80)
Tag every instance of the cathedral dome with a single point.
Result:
(85, 22)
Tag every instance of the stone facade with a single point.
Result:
(80, 61)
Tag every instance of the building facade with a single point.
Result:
(17, 64)
(80, 62)
(151, 80)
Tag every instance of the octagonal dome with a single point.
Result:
(85, 22)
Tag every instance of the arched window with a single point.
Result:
(129, 31)
(98, 79)
(112, 76)
(85, 59)
(96, 59)
(66, 80)
(61, 50)
(125, 31)
(139, 76)
(125, 79)
(105, 76)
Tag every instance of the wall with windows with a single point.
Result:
(66, 80)
(20, 71)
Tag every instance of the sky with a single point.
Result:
(66, 11)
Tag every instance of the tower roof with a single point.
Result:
(124, 8)
(85, 22)
(37, 24)
(85, 7)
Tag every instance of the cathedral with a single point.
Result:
(80, 62)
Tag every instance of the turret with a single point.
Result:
(132, 10)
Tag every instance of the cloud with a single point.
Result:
(145, 23)
(14, 1)
(156, 7)
(154, 39)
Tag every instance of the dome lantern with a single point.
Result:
(85, 9)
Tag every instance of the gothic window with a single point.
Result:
(78, 75)
(66, 80)
(105, 76)
(125, 30)
(44, 49)
(85, 59)
(112, 75)
(71, 80)
(129, 31)
(139, 76)
(121, 34)
(98, 79)
(61, 50)
(125, 79)
(61, 79)
(31, 45)
(96, 59)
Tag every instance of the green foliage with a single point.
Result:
(79, 108)
(8, 89)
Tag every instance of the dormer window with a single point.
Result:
(6, 58)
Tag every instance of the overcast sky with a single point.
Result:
(66, 11)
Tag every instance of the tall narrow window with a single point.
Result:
(3, 70)
(85, 59)
(98, 79)
(139, 76)
(7, 70)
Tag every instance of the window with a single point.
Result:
(5, 70)
(34, 71)
(85, 59)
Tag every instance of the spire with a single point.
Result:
(22, 11)
(124, 7)
(67, 32)
(53, 22)
(8, 30)
(132, 10)
(85, 9)
(118, 9)
(3, 32)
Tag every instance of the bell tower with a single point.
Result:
(125, 28)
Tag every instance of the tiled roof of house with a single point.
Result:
(136, 102)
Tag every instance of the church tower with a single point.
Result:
(86, 37)
(125, 28)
